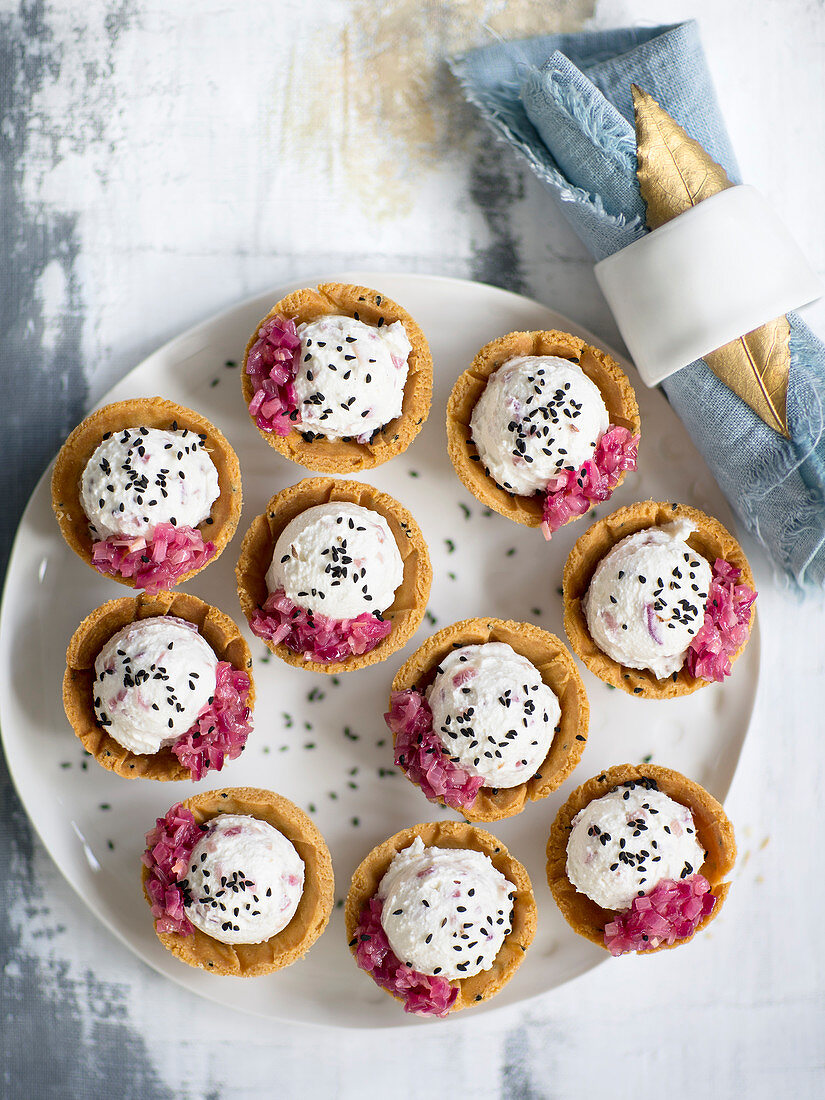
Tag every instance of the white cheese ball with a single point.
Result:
(245, 880)
(152, 680)
(538, 415)
(646, 599)
(140, 477)
(350, 377)
(624, 844)
(493, 713)
(445, 911)
(337, 559)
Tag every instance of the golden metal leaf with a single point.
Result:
(675, 173)
(756, 368)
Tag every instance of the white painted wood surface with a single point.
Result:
(203, 152)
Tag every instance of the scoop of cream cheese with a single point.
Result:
(623, 844)
(152, 680)
(140, 477)
(245, 880)
(538, 415)
(647, 597)
(337, 559)
(445, 911)
(350, 377)
(493, 713)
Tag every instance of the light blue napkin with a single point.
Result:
(564, 102)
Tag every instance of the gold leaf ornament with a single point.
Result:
(676, 173)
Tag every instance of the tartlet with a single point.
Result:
(709, 539)
(713, 829)
(217, 629)
(309, 920)
(410, 603)
(445, 835)
(347, 455)
(558, 671)
(602, 370)
(153, 413)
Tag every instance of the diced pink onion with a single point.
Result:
(422, 994)
(670, 912)
(157, 562)
(726, 626)
(220, 731)
(420, 753)
(317, 637)
(271, 365)
(653, 624)
(168, 851)
(572, 492)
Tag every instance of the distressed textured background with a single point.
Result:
(161, 161)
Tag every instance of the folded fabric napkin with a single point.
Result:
(565, 103)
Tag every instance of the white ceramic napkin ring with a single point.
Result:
(712, 274)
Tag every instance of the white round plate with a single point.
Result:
(321, 741)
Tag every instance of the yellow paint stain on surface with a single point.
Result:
(371, 98)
